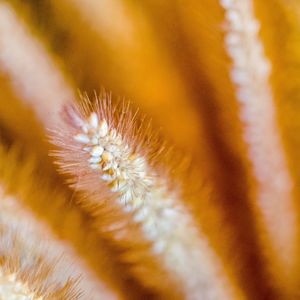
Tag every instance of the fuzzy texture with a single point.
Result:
(250, 74)
(103, 148)
(179, 61)
(34, 261)
(27, 269)
(61, 226)
(282, 48)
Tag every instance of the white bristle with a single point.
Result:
(82, 138)
(94, 140)
(95, 159)
(107, 156)
(103, 129)
(97, 151)
(106, 177)
(93, 120)
(140, 192)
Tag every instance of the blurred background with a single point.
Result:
(171, 60)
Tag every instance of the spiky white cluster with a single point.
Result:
(163, 219)
(127, 174)
(124, 172)
(11, 288)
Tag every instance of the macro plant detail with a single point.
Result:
(251, 75)
(30, 269)
(181, 182)
(100, 150)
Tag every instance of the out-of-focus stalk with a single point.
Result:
(35, 264)
(35, 76)
(274, 207)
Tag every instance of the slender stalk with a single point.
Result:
(111, 154)
(250, 73)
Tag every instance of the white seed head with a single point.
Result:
(103, 129)
(137, 202)
(139, 162)
(227, 3)
(139, 216)
(95, 159)
(95, 140)
(233, 16)
(113, 134)
(122, 183)
(97, 151)
(142, 193)
(85, 128)
(107, 156)
(118, 140)
(111, 148)
(126, 196)
(82, 138)
(107, 166)
(128, 208)
(232, 39)
(149, 227)
(159, 246)
(106, 177)
(93, 120)
(118, 185)
(12, 288)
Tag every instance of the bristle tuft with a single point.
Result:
(117, 164)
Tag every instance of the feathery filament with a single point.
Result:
(108, 149)
(12, 288)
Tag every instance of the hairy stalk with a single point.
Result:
(111, 155)
(33, 266)
(250, 74)
(35, 263)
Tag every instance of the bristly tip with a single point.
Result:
(110, 151)
(70, 115)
